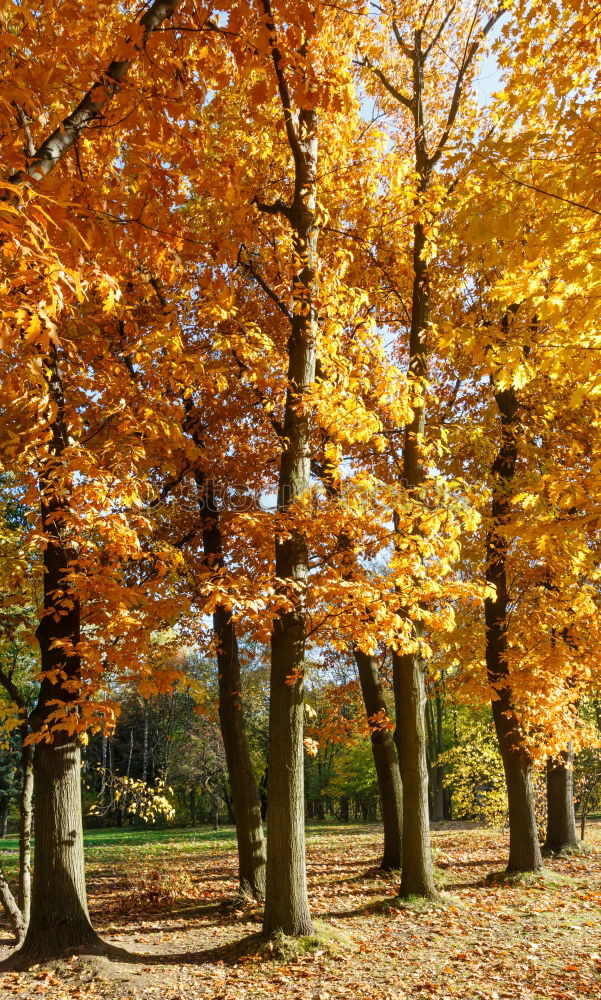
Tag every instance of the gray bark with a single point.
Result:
(11, 908)
(409, 668)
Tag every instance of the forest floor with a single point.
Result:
(163, 896)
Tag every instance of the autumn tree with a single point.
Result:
(407, 61)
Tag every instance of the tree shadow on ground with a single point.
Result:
(230, 953)
(470, 864)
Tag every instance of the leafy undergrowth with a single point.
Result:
(169, 899)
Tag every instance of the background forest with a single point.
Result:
(300, 498)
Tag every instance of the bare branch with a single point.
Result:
(261, 397)
(401, 43)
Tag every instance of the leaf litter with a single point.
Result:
(172, 905)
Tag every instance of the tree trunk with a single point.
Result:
(434, 710)
(524, 848)
(286, 899)
(561, 817)
(59, 922)
(11, 908)
(245, 797)
(4, 817)
(409, 688)
(385, 759)
(409, 668)
(25, 821)
(263, 794)
(145, 746)
(122, 811)
(103, 772)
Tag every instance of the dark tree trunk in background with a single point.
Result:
(25, 826)
(123, 809)
(145, 746)
(4, 818)
(385, 759)
(561, 818)
(434, 720)
(524, 848)
(263, 794)
(59, 923)
(245, 798)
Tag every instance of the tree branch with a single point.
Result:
(443, 25)
(261, 397)
(282, 82)
(278, 207)
(392, 90)
(91, 106)
(456, 99)
(247, 265)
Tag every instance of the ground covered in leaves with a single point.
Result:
(167, 898)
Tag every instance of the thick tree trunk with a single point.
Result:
(385, 759)
(409, 687)
(59, 923)
(561, 817)
(524, 848)
(409, 668)
(286, 899)
(25, 823)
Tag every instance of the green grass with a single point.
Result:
(104, 847)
